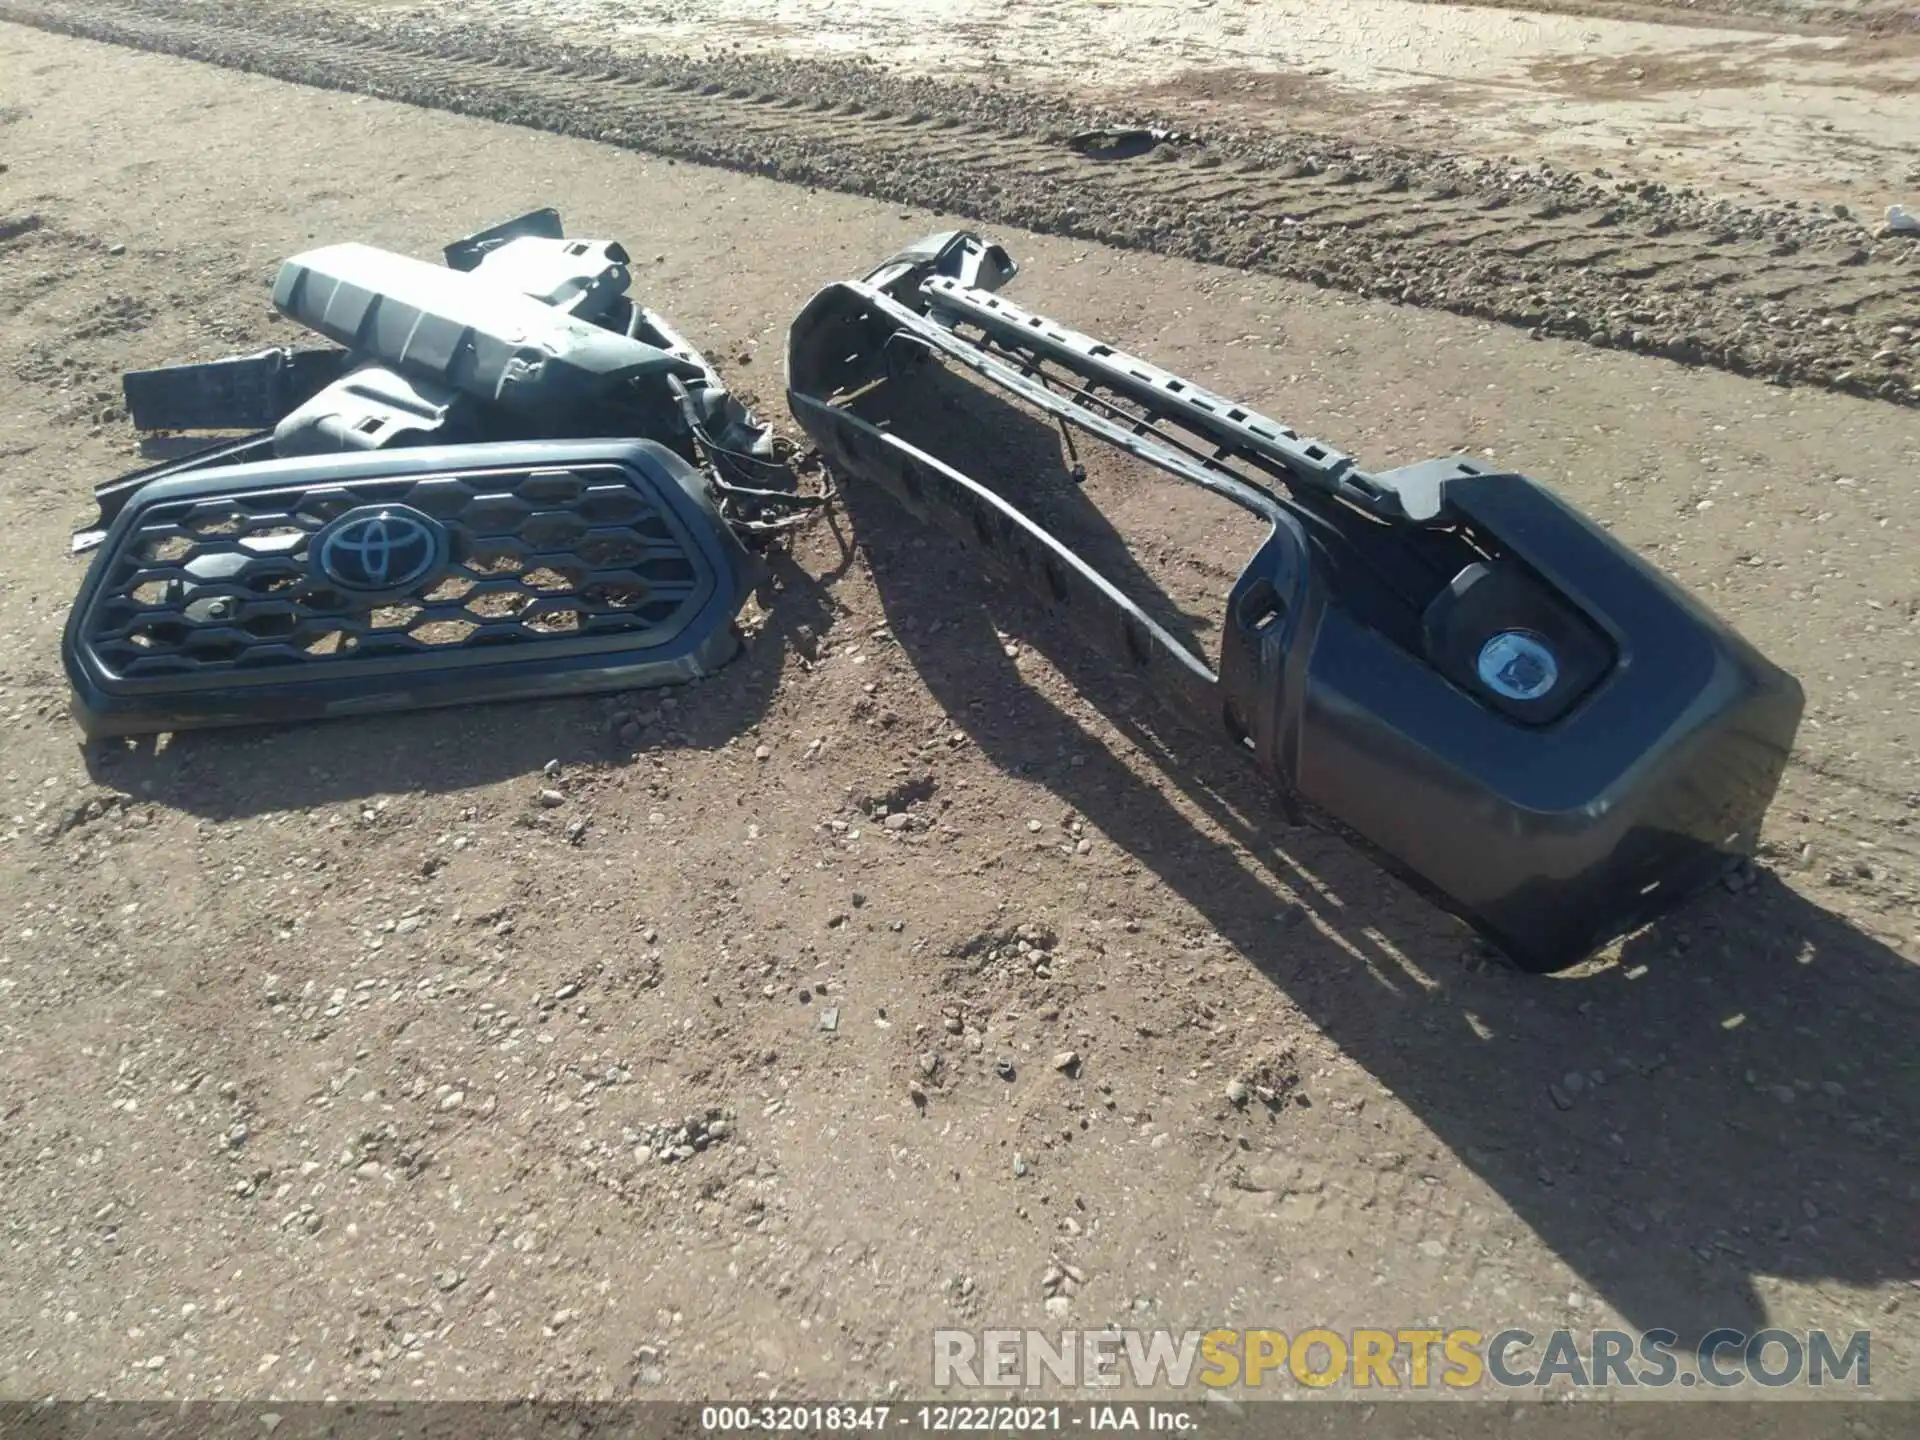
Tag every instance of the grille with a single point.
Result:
(564, 560)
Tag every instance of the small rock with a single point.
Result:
(897, 821)
(1573, 1082)
(116, 250)
(954, 1024)
(1237, 1093)
(1067, 1061)
(552, 799)
(929, 1063)
(1003, 1067)
(830, 1020)
(1020, 1166)
(761, 752)
(453, 1099)
(551, 769)
(566, 991)
(1561, 1099)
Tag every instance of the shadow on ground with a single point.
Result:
(1745, 1056)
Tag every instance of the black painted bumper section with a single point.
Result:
(1553, 809)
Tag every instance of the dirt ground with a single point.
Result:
(1787, 291)
(1765, 99)
(331, 1064)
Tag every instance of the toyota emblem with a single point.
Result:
(380, 548)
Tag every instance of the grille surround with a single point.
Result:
(569, 567)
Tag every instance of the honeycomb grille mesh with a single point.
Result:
(578, 558)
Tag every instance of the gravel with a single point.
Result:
(1808, 325)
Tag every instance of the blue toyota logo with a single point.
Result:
(380, 547)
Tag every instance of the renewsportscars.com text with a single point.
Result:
(1411, 1359)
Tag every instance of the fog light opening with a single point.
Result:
(1518, 665)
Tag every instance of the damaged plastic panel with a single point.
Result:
(582, 277)
(468, 252)
(246, 392)
(428, 515)
(1449, 664)
(372, 409)
(525, 334)
(460, 328)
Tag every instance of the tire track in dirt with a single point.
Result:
(1790, 296)
(1871, 17)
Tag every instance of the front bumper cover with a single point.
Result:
(1451, 665)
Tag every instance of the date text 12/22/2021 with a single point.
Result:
(943, 1419)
